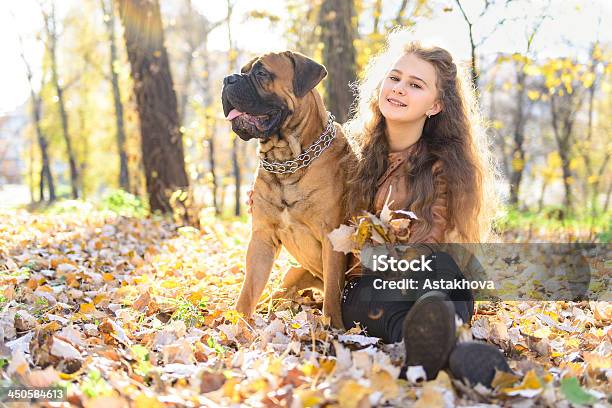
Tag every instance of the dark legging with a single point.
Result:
(382, 312)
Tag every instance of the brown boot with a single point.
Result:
(429, 332)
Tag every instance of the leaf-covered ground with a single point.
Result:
(137, 312)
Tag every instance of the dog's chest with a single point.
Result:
(291, 215)
(285, 218)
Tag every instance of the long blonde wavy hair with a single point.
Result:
(454, 136)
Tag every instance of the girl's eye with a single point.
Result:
(415, 86)
(394, 78)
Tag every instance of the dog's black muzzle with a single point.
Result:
(240, 93)
(262, 116)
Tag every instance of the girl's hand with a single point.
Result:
(249, 201)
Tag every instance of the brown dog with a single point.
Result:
(298, 192)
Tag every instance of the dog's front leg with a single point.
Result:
(334, 267)
(260, 256)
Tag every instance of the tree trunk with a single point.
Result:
(518, 153)
(541, 200)
(31, 171)
(209, 127)
(41, 185)
(567, 201)
(563, 112)
(473, 67)
(161, 139)
(50, 26)
(377, 15)
(45, 169)
(400, 13)
(191, 33)
(235, 163)
(211, 161)
(607, 202)
(124, 176)
(337, 35)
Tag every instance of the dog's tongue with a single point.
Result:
(234, 113)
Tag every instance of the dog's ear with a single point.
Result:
(307, 73)
(247, 67)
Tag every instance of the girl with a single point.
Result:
(415, 133)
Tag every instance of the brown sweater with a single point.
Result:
(395, 178)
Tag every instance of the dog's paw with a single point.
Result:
(283, 293)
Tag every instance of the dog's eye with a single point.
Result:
(261, 73)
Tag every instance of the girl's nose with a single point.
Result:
(399, 89)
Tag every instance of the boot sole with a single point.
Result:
(429, 334)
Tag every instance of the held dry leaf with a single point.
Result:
(341, 239)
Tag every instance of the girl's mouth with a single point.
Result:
(395, 102)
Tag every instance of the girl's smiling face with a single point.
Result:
(409, 93)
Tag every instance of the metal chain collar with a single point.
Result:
(312, 152)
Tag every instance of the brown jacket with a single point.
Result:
(395, 179)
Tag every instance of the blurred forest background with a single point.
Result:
(119, 100)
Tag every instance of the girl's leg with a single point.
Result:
(378, 316)
(383, 317)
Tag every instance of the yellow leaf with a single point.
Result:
(351, 394)
(231, 390)
(574, 164)
(533, 95)
(554, 160)
(52, 326)
(517, 163)
(99, 298)
(144, 401)
(572, 343)
(382, 381)
(363, 233)
(431, 397)
(309, 369)
(532, 70)
(275, 366)
(87, 308)
(530, 382)
(327, 365)
(195, 297)
(169, 284)
(309, 398)
(232, 315)
(108, 277)
(542, 333)
(503, 379)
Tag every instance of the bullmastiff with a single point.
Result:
(300, 183)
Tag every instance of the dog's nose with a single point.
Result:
(231, 79)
